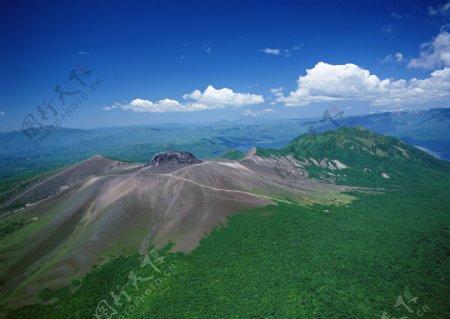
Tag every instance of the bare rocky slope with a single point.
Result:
(100, 207)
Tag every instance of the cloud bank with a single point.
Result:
(435, 53)
(327, 82)
(223, 98)
(209, 99)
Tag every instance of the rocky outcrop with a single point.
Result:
(173, 158)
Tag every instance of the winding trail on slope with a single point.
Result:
(202, 186)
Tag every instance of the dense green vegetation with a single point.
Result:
(233, 155)
(10, 226)
(11, 186)
(296, 261)
(367, 154)
(288, 261)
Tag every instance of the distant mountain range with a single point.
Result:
(372, 158)
(429, 129)
(19, 154)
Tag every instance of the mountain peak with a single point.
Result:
(173, 158)
(251, 152)
(367, 153)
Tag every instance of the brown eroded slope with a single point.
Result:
(104, 207)
(64, 179)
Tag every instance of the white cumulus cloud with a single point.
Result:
(220, 98)
(435, 53)
(161, 106)
(327, 82)
(209, 99)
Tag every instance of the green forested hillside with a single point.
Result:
(290, 261)
(367, 154)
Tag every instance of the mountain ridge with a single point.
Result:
(365, 152)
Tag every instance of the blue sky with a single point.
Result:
(203, 61)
